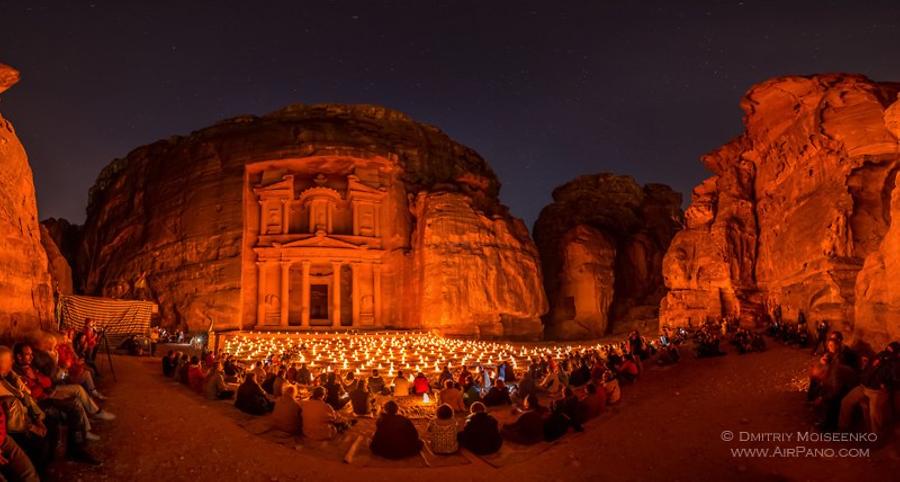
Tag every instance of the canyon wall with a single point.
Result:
(602, 242)
(798, 212)
(26, 297)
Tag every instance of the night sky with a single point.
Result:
(544, 91)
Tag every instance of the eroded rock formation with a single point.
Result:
(602, 242)
(26, 299)
(327, 215)
(797, 205)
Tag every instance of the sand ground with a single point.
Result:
(668, 427)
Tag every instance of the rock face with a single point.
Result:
(797, 206)
(27, 300)
(60, 271)
(602, 242)
(324, 215)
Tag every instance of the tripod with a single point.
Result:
(105, 341)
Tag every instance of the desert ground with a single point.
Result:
(668, 427)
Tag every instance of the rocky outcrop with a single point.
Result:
(602, 242)
(60, 271)
(167, 223)
(796, 206)
(502, 294)
(26, 301)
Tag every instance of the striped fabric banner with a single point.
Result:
(117, 317)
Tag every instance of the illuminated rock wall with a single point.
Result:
(797, 206)
(26, 299)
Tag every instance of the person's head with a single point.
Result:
(331, 377)
(88, 323)
(499, 384)
(444, 412)
(477, 407)
(289, 391)
(219, 366)
(318, 393)
(391, 407)
(531, 402)
(420, 375)
(349, 376)
(171, 353)
(591, 388)
(6, 360)
(400, 374)
(834, 341)
(362, 385)
(195, 360)
(23, 353)
(374, 372)
(448, 384)
(568, 393)
(250, 377)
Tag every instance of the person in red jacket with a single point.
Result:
(421, 384)
(196, 375)
(90, 340)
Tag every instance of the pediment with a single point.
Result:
(318, 242)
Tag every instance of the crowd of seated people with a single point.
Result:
(842, 380)
(321, 405)
(47, 388)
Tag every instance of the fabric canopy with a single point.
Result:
(117, 317)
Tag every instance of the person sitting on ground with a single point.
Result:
(215, 386)
(395, 435)
(287, 415)
(481, 433)
(14, 463)
(196, 375)
(280, 382)
(446, 374)
(231, 369)
(361, 399)
(528, 428)
(497, 395)
(552, 383)
(628, 369)
(268, 382)
(376, 383)
(334, 392)
(527, 385)
(472, 393)
(77, 370)
(401, 385)
(168, 364)
(442, 430)
(320, 421)
(593, 404)
(421, 384)
(613, 389)
(34, 425)
(557, 423)
(452, 397)
(181, 372)
(568, 406)
(304, 376)
(251, 398)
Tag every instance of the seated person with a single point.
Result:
(421, 385)
(442, 430)
(472, 392)
(613, 391)
(287, 415)
(481, 433)
(395, 435)
(251, 398)
(214, 386)
(376, 384)
(361, 399)
(196, 375)
(497, 395)
(320, 421)
(334, 392)
(528, 429)
(593, 405)
(304, 376)
(181, 370)
(557, 423)
(280, 382)
(401, 385)
(169, 363)
(452, 396)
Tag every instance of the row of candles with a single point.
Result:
(392, 351)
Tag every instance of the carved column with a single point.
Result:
(285, 291)
(285, 216)
(376, 269)
(336, 292)
(304, 295)
(355, 218)
(261, 293)
(354, 293)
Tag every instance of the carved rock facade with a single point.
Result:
(797, 206)
(330, 216)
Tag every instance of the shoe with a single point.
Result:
(104, 415)
(99, 396)
(91, 436)
(82, 456)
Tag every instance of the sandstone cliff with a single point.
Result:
(166, 222)
(602, 242)
(796, 206)
(26, 301)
